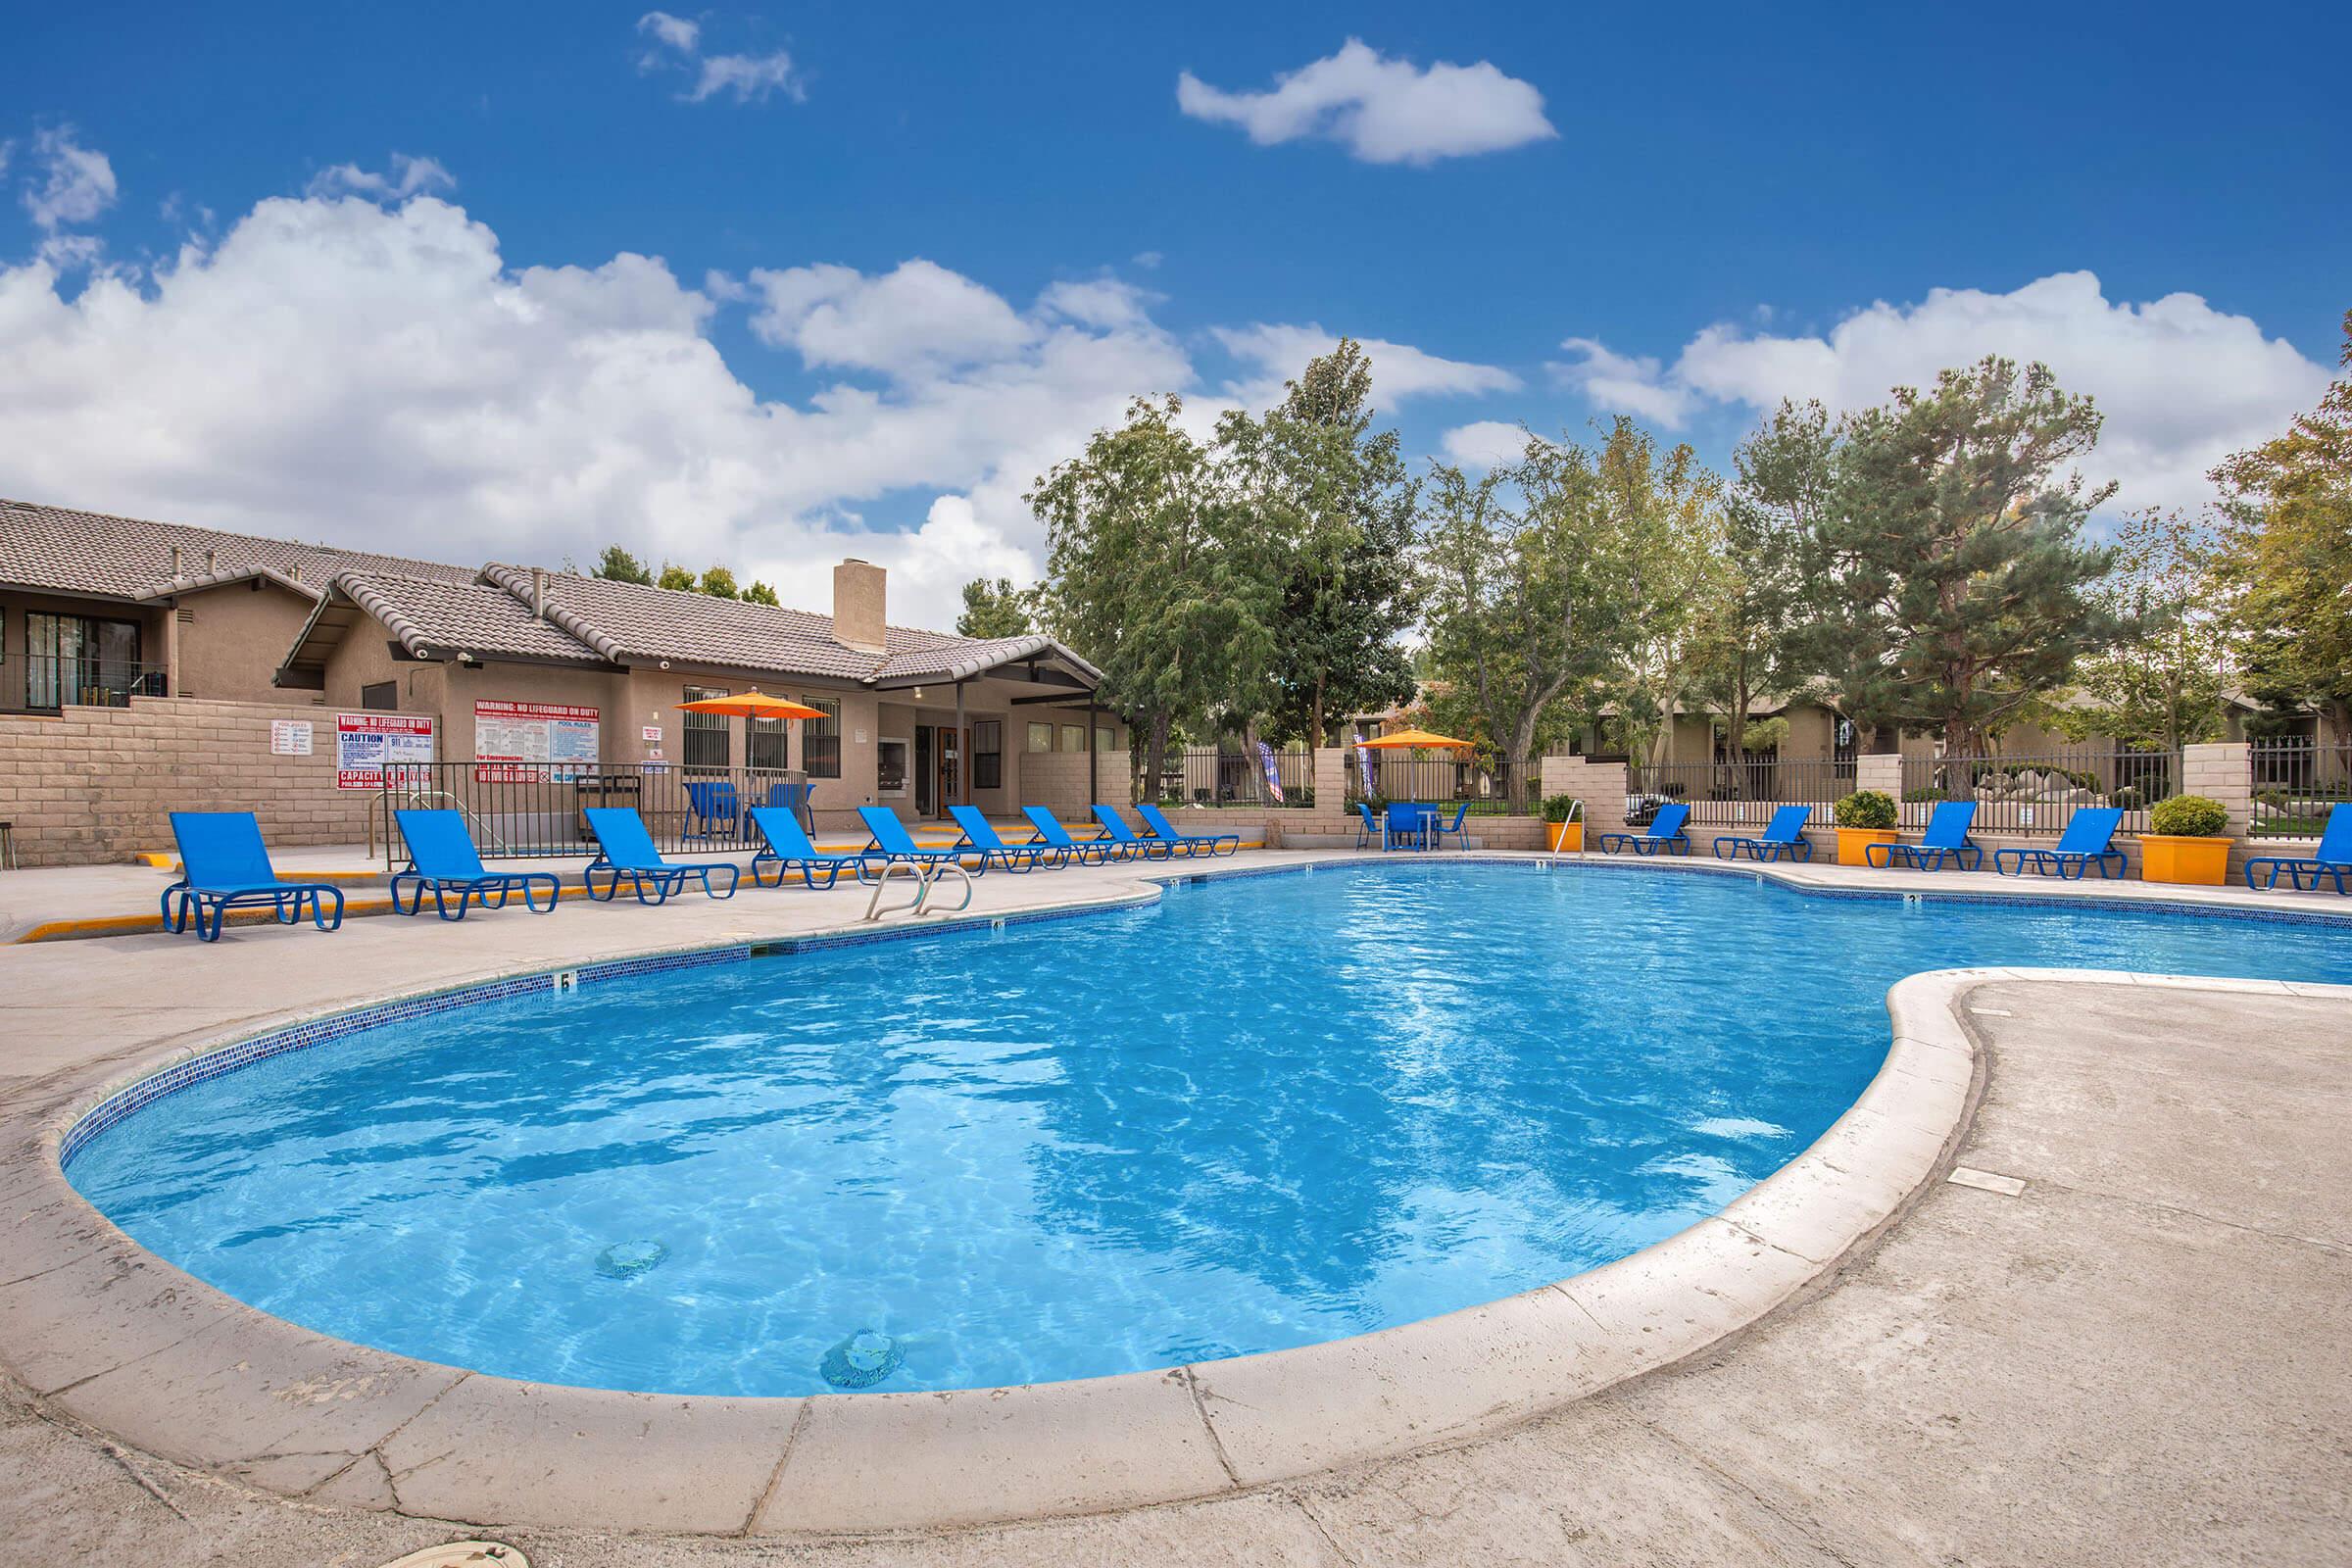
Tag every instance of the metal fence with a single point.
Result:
(2037, 794)
(535, 809)
(1734, 792)
(1228, 776)
(1482, 784)
(2295, 784)
(46, 682)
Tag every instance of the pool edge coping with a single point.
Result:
(807, 1465)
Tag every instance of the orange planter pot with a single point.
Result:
(1566, 837)
(1852, 842)
(2196, 863)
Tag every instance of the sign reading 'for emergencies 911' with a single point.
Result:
(519, 742)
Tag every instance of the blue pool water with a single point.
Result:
(1263, 1113)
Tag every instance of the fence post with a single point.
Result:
(1881, 771)
(2224, 772)
(1331, 781)
(1602, 786)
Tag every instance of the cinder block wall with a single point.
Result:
(92, 785)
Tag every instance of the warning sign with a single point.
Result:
(556, 740)
(366, 744)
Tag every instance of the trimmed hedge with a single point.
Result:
(1872, 809)
(2188, 816)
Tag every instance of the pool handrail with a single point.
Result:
(1115, 828)
(2333, 858)
(443, 856)
(784, 844)
(1051, 834)
(888, 843)
(1782, 836)
(1194, 843)
(2088, 841)
(225, 864)
(1947, 837)
(624, 848)
(981, 836)
(1664, 832)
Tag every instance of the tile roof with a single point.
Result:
(474, 617)
(63, 551)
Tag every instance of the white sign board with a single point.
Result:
(534, 741)
(290, 737)
(366, 744)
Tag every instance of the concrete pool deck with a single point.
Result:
(455, 1456)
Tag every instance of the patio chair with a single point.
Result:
(1192, 842)
(2333, 858)
(624, 849)
(711, 805)
(1116, 829)
(1946, 838)
(2088, 841)
(442, 857)
(1406, 822)
(1663, 835)
(890, 844)
(1455, 829)
(224, 865)
(1051, 834)
(980, 834)
(1370, 833)
(784, 844)
(1784, 837)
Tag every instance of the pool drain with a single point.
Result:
(861, 1361)
(464, 1555)
(626, 1260)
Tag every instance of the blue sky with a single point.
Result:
(1579, 210)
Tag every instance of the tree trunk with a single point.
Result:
(1523, 742)
(1314, 718)
(1155, 755)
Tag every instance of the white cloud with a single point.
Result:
(911, 320)
(1099, 302)
(678, 44)
(1384, 111)
(1398, 370)
(79, 183)
(1626, 385)
(677, 33)
(1483, 444)
(2181, 383)
(409, 177)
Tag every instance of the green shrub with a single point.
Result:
(1866, 808)
(2189, 817)
(1561, 807)
(1303, 794)
(1917, 797)
(2128, 798)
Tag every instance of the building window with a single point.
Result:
(766, 742)
(988, 753)
(706, 738)
(820, 738)
(1104, 740)
(74, 658)
(1073, 737)
(380, 697)
(1041, 736)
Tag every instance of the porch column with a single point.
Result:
(963, 760)
(1093, 789)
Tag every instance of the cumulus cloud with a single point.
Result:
(1382, 111)
(74, 184)
(677, 44)
(1483, 444)
(408, 176)
(2181, 383)
(1398, 370)
(913, 318)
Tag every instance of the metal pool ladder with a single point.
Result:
(926, 881)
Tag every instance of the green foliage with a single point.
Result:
(994, 610)
(617, 565)
(1871, 809)
(1922, 796)
(677, 577)
(1561, 807)
(1665, 515)
(2163, 686)
(719, 583)
(760, 592)
(2189, 817)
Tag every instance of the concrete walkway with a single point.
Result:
(2140, 1358)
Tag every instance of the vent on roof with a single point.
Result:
(212, 562)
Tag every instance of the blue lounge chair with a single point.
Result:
(1051, 834)
(2088, 841)
(716, 808)
(1783, 837)
(981, 835)
(442, 857)
(892, 844)
(1946, 838)
(223, 863)
(1192, 842)
(1664, 833)
(2333, 858)
(1116, 829)
(784, 845)
(1454, 829)
(1370, 833)
(624, 849)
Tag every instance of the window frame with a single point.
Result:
(696, 730)
(820, 738)
(988, 753)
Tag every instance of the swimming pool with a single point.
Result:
(1265, 1112)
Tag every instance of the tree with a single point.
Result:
(1155, 575)
(1747, 618)
(677, 577)
(2288, 541)
(617, 565)
(1663, 511)
(719, 583)
(1332, 499)
(2165, 685)
(760, 592)
(994, 610)
(1953, 553)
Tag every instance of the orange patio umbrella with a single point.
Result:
(1414, 738)
(754, 704)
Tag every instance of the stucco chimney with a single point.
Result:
(539, 592)
(859, 617)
